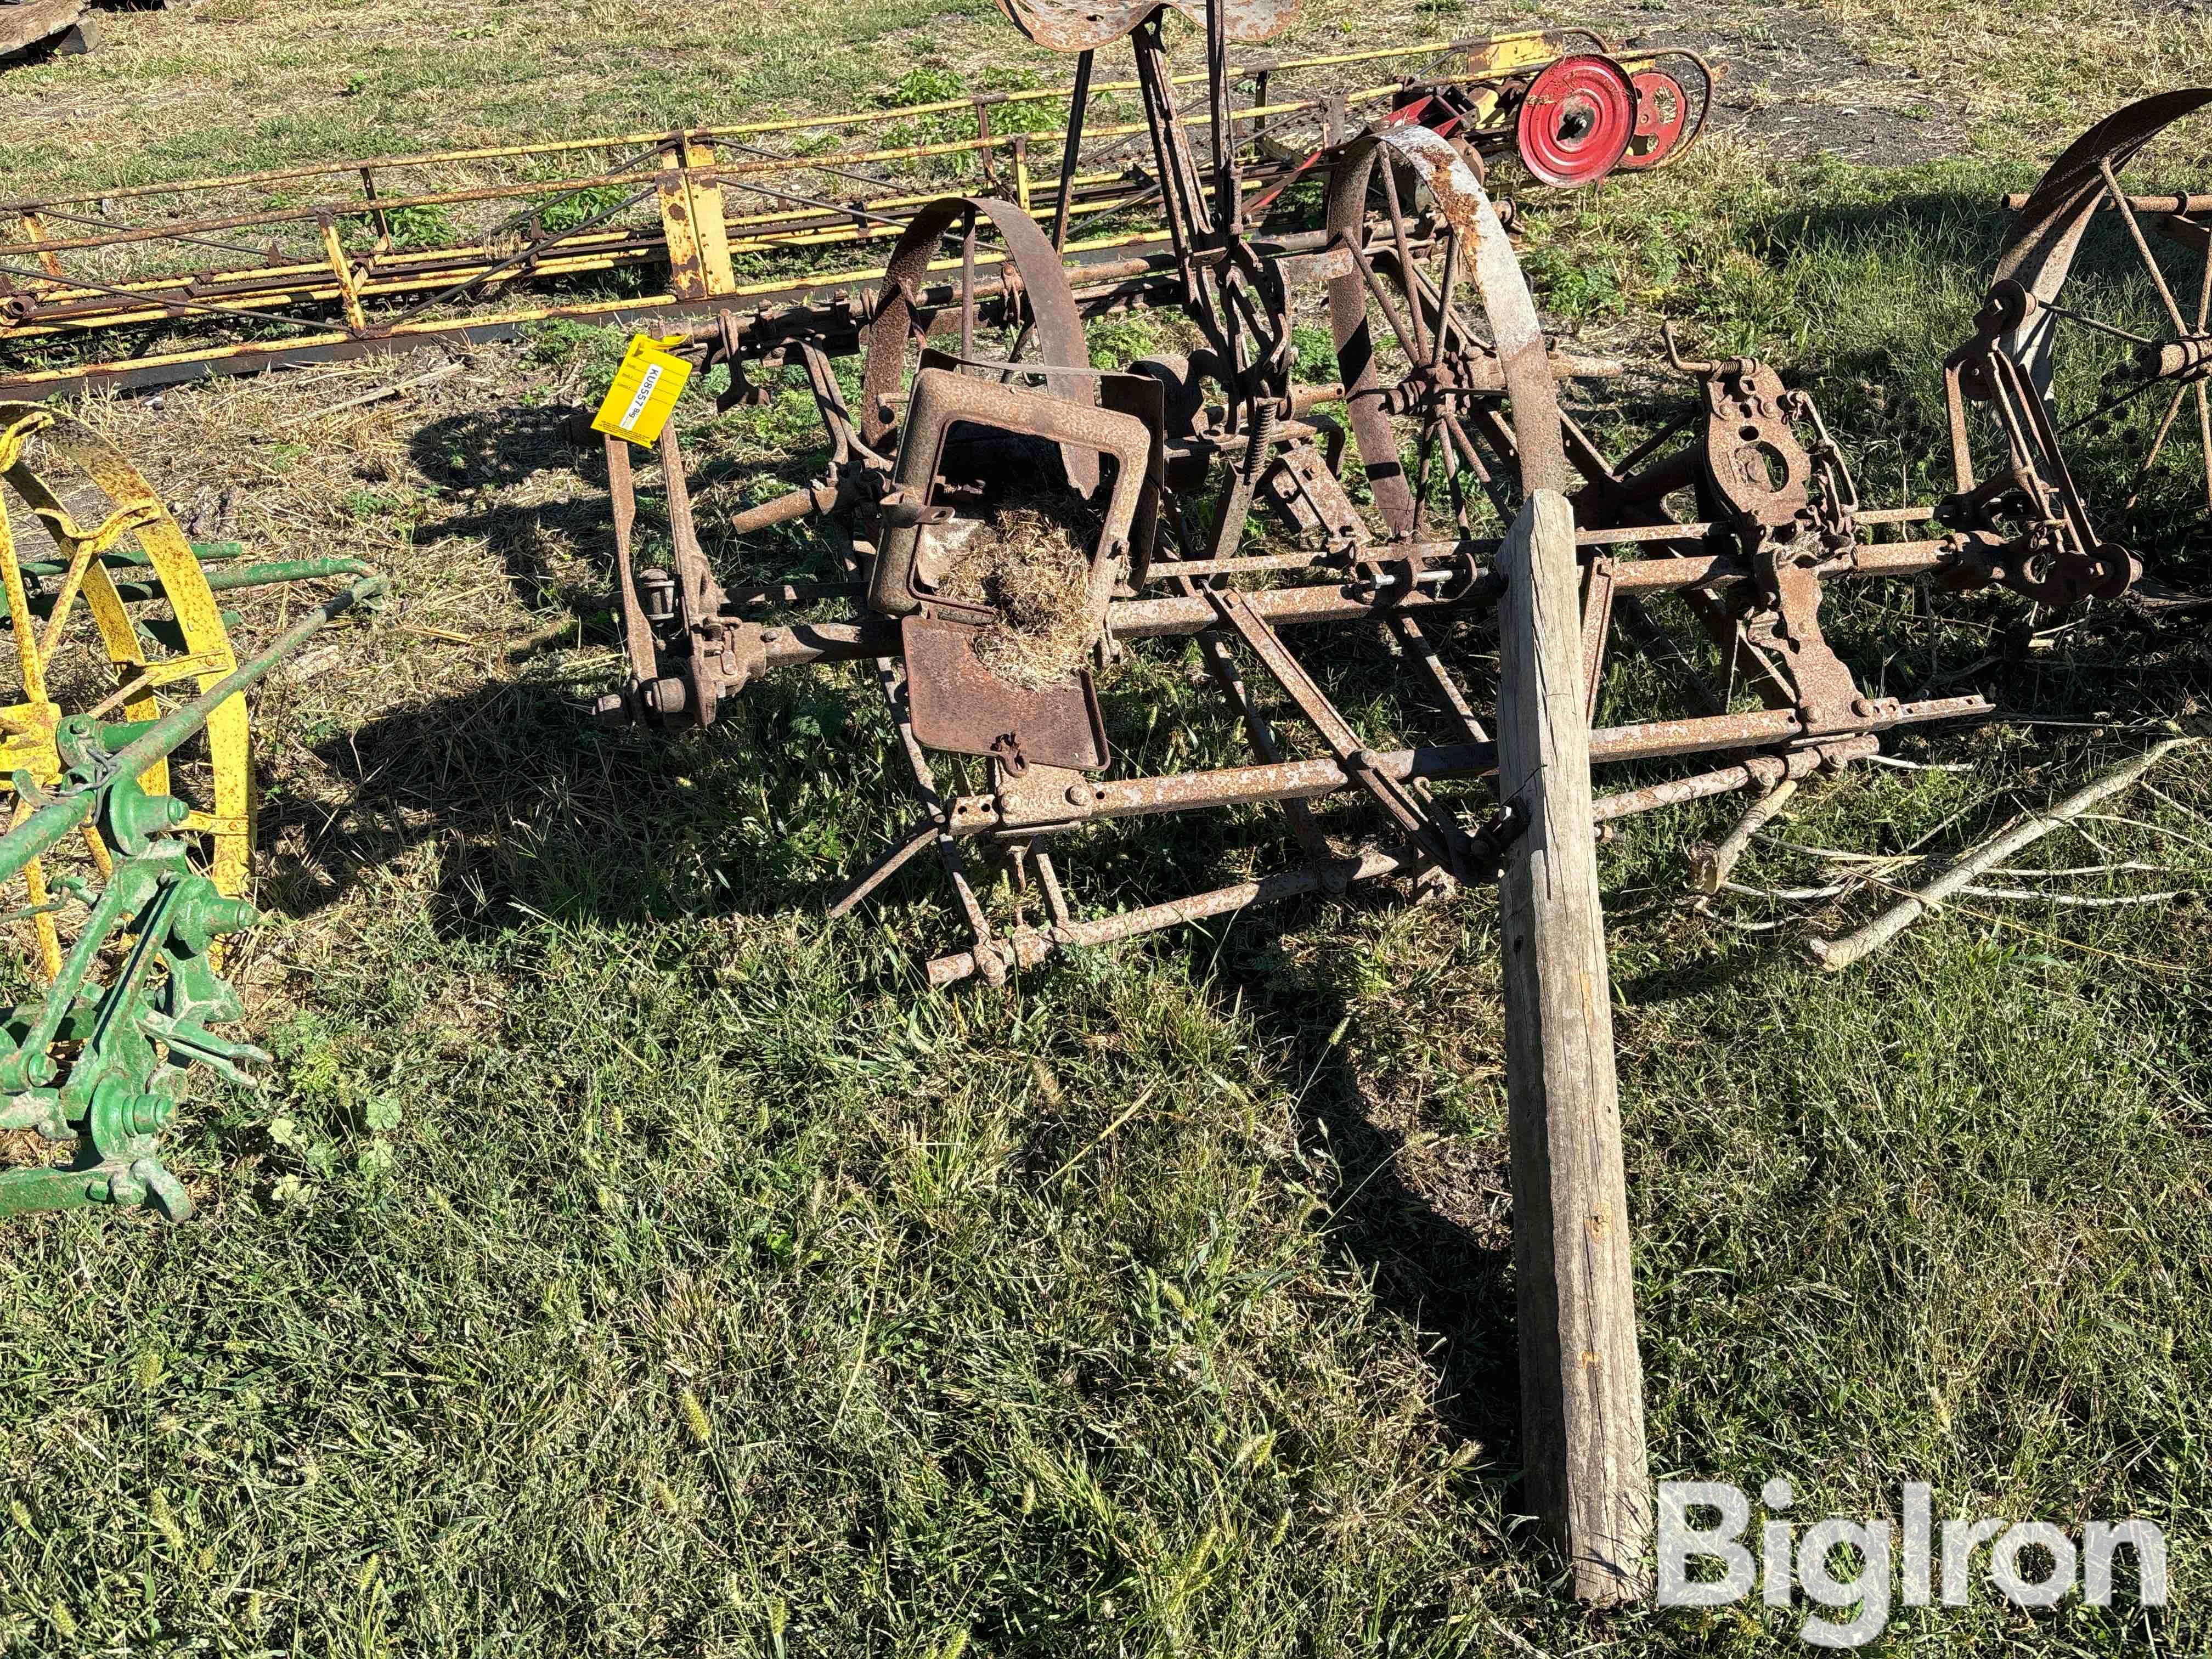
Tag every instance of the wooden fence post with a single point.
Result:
(1581, 1384)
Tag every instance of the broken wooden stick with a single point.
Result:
(1715, 864)
(444, 371)
(1835, 955)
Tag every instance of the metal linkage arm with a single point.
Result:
(100, 1063)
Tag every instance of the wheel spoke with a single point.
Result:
(40, 897)
(1444, 318)
(2105, 406)
(1424, 453)
(2204, 439)
(1491, 484)
(19, 616)
(2143, 243)
(967, 287)
(2097, 323)
(1452, 484)
(1419, 349)
(80, 562)
(1381, 291)
(2157, 444)
(1014, 351)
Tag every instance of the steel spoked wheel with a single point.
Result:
(2101, 301)
(110, 622)
(1447, 384)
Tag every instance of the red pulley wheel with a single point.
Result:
(1663, 114)
(1576, 120)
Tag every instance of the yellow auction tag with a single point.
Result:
(644, 392)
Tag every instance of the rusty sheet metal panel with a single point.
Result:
(961, 708)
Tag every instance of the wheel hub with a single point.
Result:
(1576, 121)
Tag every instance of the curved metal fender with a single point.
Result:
(1036, 266)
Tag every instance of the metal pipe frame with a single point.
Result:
(1269, 784)
(1030, 947)
(802, 644)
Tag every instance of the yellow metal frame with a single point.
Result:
(382, 294)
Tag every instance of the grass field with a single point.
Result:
(626, 1260)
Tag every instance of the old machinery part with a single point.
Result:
(1018, 253)
(931, 521)
(2064, 360)
(1246, 535)
(112, 615)
(141, 284)
(101, 1042)
(1086, 25)
(1415, 327)
(125, 763)
(1663, 119)
(1576, 120)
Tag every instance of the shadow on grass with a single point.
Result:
(530, 809)
(499, 449)
(1451, 1282)
(536, 813)
(1427, 1226)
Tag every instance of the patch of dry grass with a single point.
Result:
(186, 92)
(1030, 561)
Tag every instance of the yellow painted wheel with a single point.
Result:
(121, 637)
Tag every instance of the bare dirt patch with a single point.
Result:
(1796, 83)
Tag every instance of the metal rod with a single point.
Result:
(1078, 108)
(1306, 780)
(60, 815)
(1031, 946)
(1756, 771)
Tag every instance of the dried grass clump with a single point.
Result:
(1031, 562)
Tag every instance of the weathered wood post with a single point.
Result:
(1581, 1384)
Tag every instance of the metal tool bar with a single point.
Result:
(1307, 780)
